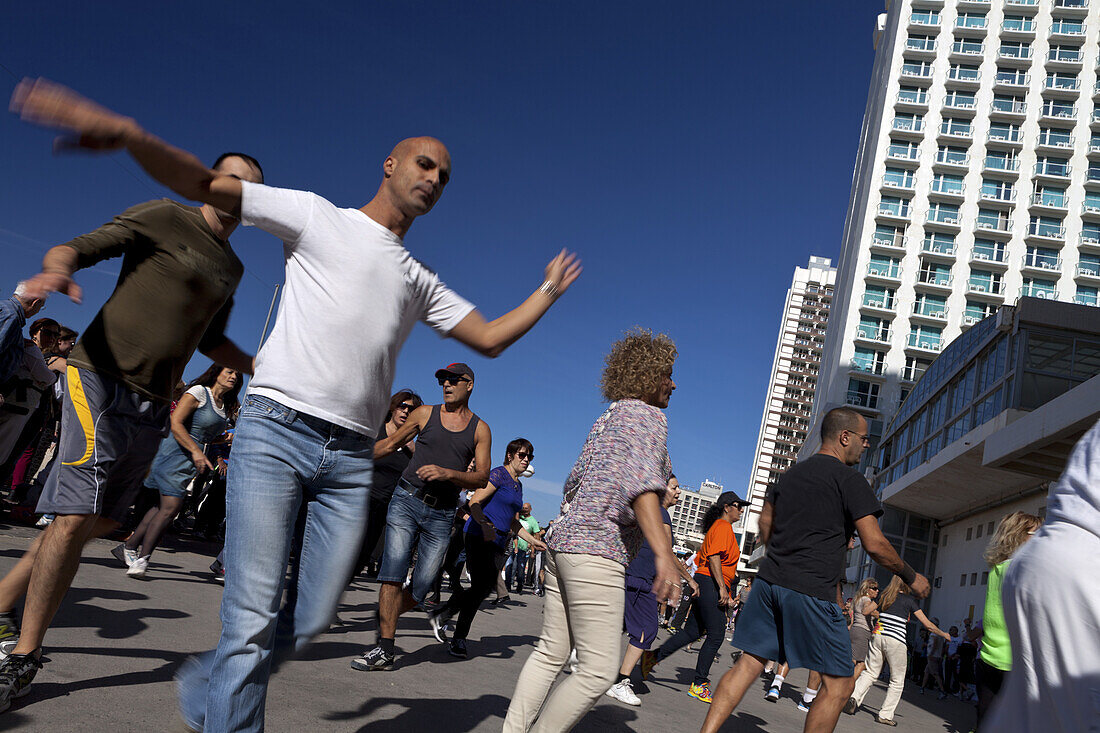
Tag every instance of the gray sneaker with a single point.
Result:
(9, 626)
(374, 660)
(16, 673)
(438, 621)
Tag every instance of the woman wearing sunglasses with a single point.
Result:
(494, 513)
(387, 470)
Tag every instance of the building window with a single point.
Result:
(973, 579)
(979, 533)
(936, 584)
(945, 539)
(989, 529)
(969, 532)
(985, 577)
(962, 580)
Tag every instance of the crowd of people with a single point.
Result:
(321, 470)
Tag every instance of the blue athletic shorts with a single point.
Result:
(640, 614)
(109, 436)
(788, 626)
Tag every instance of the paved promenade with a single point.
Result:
(117, 642)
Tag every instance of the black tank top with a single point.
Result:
(438, 446)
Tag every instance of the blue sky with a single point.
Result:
(693, 154)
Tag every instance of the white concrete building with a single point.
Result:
(977, 181)
(689, 511)
(791, 388)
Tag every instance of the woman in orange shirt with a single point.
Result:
(717, 569)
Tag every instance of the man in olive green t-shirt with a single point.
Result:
(173, 296)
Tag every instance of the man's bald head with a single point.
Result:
(423, 143)
(416, 171)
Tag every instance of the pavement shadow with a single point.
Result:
(458, 716)
(46, 690)
(603, 718)
(78, 612)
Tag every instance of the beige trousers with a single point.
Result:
(893, 651)
(583, 610)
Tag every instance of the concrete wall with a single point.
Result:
(957, 556)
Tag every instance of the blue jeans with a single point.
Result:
(280, 458)
(409, 518)
(519, 570)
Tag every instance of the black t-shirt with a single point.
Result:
(388, 470)
(815, 507)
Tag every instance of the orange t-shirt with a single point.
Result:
(721, 541)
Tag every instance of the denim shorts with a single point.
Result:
(412, 524)
(788, 626)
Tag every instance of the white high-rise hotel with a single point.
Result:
(791, 388)
(977, 180)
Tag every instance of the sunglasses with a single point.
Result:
(452, 380)
(406, 407)
(523, 454)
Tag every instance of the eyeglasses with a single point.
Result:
(455, 380)
(523, 454)
(406, 407)
(865, 438)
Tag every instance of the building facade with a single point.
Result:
(689, 511)
(976, 182)
(791, 388)
(984, 434)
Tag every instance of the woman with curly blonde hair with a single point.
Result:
(612, 498)
(995, 659)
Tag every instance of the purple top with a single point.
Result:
(625, 455)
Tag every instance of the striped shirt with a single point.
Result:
(893, 621)
(625, 455)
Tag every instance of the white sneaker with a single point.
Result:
(138, 567)
(44, 521)
(803, 706)
(7, 647)
(773, 695)
(624, 692)
(573, 662)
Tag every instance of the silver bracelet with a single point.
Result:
(548, 289)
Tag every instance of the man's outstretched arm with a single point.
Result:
(493, 337)
(95, 127)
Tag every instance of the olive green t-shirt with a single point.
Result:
(173, 295)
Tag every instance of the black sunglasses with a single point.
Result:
(455, 380)
(524, 454)
(406, 406)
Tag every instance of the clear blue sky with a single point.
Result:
(692, 153)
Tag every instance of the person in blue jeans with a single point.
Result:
(307, 427)
(422, 510)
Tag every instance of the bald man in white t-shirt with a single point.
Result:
(307, 426)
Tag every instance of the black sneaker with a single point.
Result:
(850, 706)
(437, 619)
(218, 569)
(16, 673)
(374, 660)
(457, 648)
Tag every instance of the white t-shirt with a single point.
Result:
(200, 393)
(352, 295)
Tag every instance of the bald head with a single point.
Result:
(415, 173)
(423, 144)
(844, 434)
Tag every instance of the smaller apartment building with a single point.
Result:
(983, 434)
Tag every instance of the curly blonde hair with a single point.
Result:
(636, 365)
(1012, 532)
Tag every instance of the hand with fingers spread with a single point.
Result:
(94, 127)
(561, 272)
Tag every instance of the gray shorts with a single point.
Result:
(109, 436)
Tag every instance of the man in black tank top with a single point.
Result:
(420, 514)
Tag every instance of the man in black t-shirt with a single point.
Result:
(793, 613)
